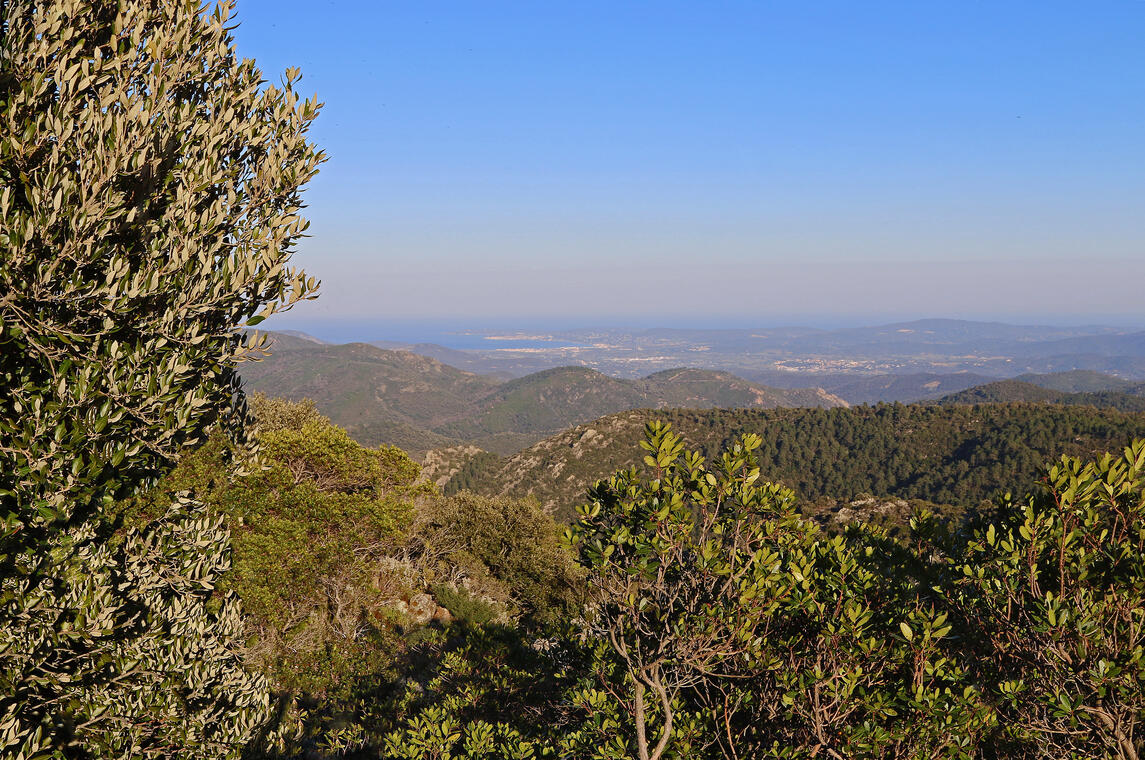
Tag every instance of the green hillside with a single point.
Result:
(951, 454)
(702, 389)
(1002, 391)
(1078, 381)
(380, 396)
(548, 401)
(903, 388)
(1008, 391)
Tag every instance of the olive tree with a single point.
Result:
(149, 204)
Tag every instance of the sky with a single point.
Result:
(705, 164)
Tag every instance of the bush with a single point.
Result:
(728, 625)
(505, 549)
(731, 624)
(1052, 597)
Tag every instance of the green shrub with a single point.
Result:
(1052, 598)
(464, 607)
(508, 548)
(729, 626)
(310, 522)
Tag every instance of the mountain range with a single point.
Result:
(419, 403)
(552, 433)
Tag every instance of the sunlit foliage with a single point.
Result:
(149, 203)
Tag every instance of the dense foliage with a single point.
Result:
(472, 472)
(1052, 599)
(149, 206)
(762, 637)
(1007, 391)
(722, 623)
(957, 455)
(366, 594)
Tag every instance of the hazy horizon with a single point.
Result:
(436, 330)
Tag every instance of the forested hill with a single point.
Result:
(1082, 381)
(1131, 398)
(953, 454)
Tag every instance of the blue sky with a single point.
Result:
(734, 163)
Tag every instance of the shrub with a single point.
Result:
(730, 626)
(1052, 596)
(509, 550)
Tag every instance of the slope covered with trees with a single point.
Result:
(1130, 399)
(953, 454)
(1081, 381)
(905, 388)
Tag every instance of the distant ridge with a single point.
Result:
(419, 403)
(1131, 399)
(1124, 344)
(303, 336)
(905, 388)
(1003, 391)
(1078, 381)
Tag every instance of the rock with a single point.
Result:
(422, 608)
